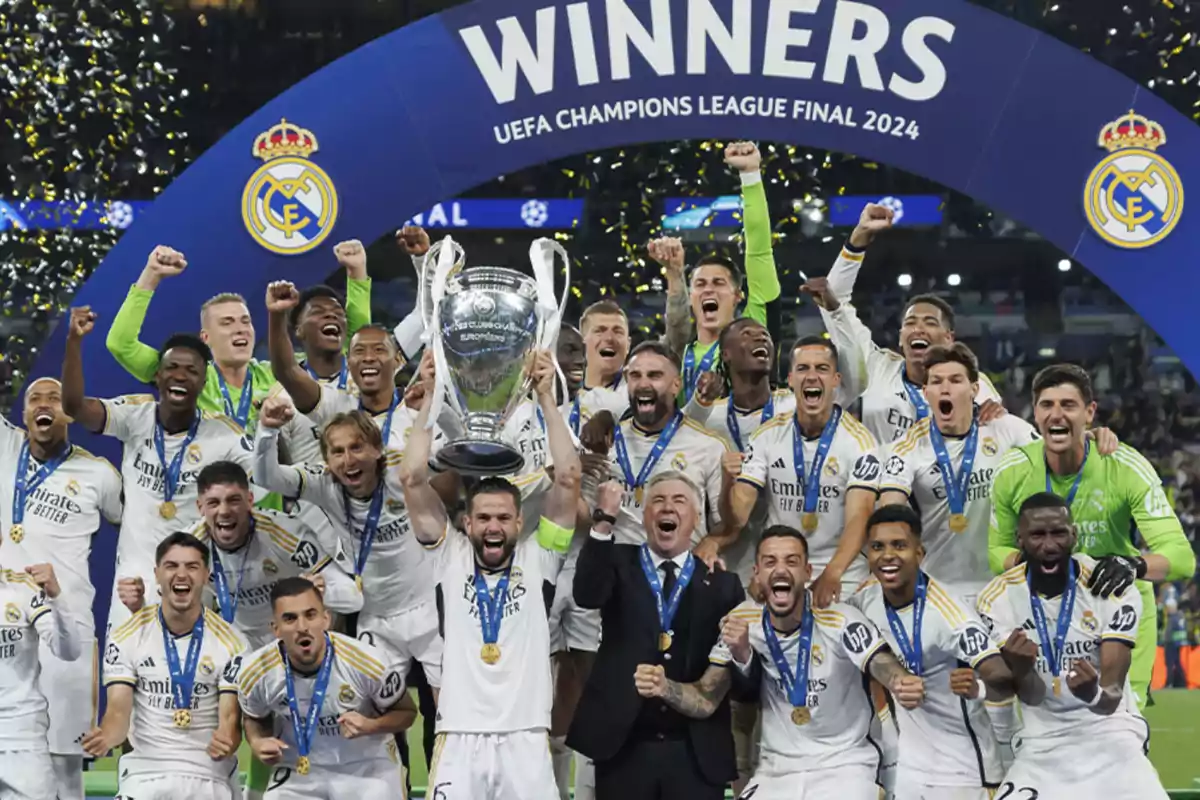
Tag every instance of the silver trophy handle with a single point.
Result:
(550, 314)
(446, 248)
(445, 266)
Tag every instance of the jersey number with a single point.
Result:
(1009, 789)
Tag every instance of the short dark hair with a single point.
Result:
(1043, 500)
(293, 587)
(957, 353)
(656, 347)
(813, 340)
(781, 532)
(932, 299)
(310, 294)
(1059, 374)
(899, 512)
(493, 485)
(735, 274)
(180, 539)
(384, 329)
(602, 307)
(220, 473)
(186, 341)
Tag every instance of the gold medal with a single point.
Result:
(958, 523)
(167, 510)
(358, 582)
(17, 533)
(638, 493)
(809, 521)
(183, 718)
(664, 641)
(801, 715)
(1057, 687)
(303, 765)
(490, 653)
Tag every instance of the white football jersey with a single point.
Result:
(958, 560)
(300, 435)
(743, 424)
(947, 739)
(1004, 605)
(279, 547)
(131, 418)
(397, 573)
(336, 401)
(135, 655)
(360, 680)
(613, 398)
(28, 618)
(874, 373)
(61, 516)
(693, 450)
(515, 693)
(851, 463)
(843, 643)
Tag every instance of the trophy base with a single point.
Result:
(474, 457)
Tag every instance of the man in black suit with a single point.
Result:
(653, 715)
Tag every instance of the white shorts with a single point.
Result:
(572, 627)
(845, 783)
(365, 780)
(495, 766)
(27, 775)
(411, 635)
(70, 689)
(909, 787)
(1111, 766)
(173, 787)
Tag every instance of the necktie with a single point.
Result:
(669, 568)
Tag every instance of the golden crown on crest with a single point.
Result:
(1132, 130)
(285, 139)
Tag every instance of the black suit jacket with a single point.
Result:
(609, 577)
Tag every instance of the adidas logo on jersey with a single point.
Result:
(147, 662)
(778, 464)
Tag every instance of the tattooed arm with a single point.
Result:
(696, 700)
(908, 689)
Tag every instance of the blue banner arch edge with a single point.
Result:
(409, 120)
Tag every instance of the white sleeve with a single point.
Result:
(341, 591)
(858, 637)
(1123, 614)
(898, 470)
(843, 274)
(754, 466)
(714, 479)
(409, 332)
(696, 410)
(330, 402)
(121, 415)
(55, 626)
(855, 349)
(987, 391)
(112, 506)
(289, 481)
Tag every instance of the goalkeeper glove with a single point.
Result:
(1115, 574)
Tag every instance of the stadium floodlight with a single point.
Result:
(905, 280)
(954, 279)
(1064, 265)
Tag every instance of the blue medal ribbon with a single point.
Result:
(225, 601)
(914, 395)
(811, 483)
(182, 678)
(1053, 649)
(735, 428)
(342, 376)
(24, 485)
(242, 416)
(171, 472)
(910, 649)
(573, 419)
(387, 422)
(306, 728)
(795, 684)
(1078, 476)
(667, 607)
(370, 525)
(491, 605)
(956, 484)
(656, 452)
(691, 373)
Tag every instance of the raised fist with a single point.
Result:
(282, 297)
(165, 262)
(413, 239)
(668, 252)
(43, 576)
(874, 218)
(132, 593)
(276, 411)
(609, 496)
(743, 156)
(352, 257)
(818, 289)
(82, 322)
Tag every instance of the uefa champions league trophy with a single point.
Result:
(482, 323)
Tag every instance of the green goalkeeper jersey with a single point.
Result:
(1115, 493)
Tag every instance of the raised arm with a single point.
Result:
(358, 285)
(408, 332)
(762, 278)
(87, 411)
(697, 700)
(282, 297)
(54, 625)
(668, 252)
(562, 501)
(268, 472)
(596, 569)
(426, 510)
(141, 360)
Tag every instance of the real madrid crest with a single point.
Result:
(289, 204)
(194, 454)
(1134, 197)
(269, 566)
(817, 655)
(831, 467)
(346, 694)
(12, 613)
(988, 445)
(207, 666)
(1089, 622)
(679, 462)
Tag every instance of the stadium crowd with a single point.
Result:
(880, 575)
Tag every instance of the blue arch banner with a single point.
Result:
(942, 88)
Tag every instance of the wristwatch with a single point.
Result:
(599, 516)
